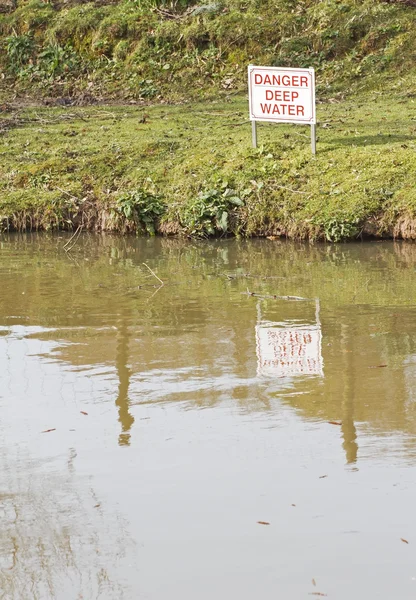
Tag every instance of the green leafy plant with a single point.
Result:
(142, 207)
(337, 230)
(147, 89)
(210, 212)
(55, 59)
(19, 50)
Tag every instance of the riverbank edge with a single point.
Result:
(190, 170)
(107, 219)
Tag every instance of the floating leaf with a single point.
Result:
(335, 422)
(263, 522)
(48, 430)
(405, 541)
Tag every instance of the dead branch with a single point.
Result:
(74, 236)
(274, 296)
(154, 274)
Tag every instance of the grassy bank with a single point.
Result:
(145, 125)
(191, 169)
(166, 50)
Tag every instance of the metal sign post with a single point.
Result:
(313, 138)
(282, 95)
(254, 133)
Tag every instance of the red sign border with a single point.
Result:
(309, 71)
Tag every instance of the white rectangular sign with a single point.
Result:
(288, 352)
(282, 95)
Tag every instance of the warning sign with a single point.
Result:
(288, 352)
(282, 95)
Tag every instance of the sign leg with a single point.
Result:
(254, 133)
(313, 139)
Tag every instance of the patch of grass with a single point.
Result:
(191, 168)
(200, 51)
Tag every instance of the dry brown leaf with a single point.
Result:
(48, 430)
(405, 541)
(335, 422)
(313, 582)
(83, 412)
(263, 522)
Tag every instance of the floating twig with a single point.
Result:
(76, 236)
(154, 274)
(274, 296)
(155, 292)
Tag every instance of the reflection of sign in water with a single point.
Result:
(287, 351)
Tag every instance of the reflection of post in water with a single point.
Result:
(349, 433)
(124, 374)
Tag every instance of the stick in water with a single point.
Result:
(273, 296)
(76, 236)
(153, 273)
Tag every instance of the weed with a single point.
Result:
(20, 49)
(337, 230)
(210, 212)
(55, 60)
(143, 208)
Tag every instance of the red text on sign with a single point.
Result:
(291, 110)
(284, 80)
(281, 95)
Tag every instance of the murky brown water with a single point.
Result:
(146, 429)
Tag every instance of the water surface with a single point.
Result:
(146, 429)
